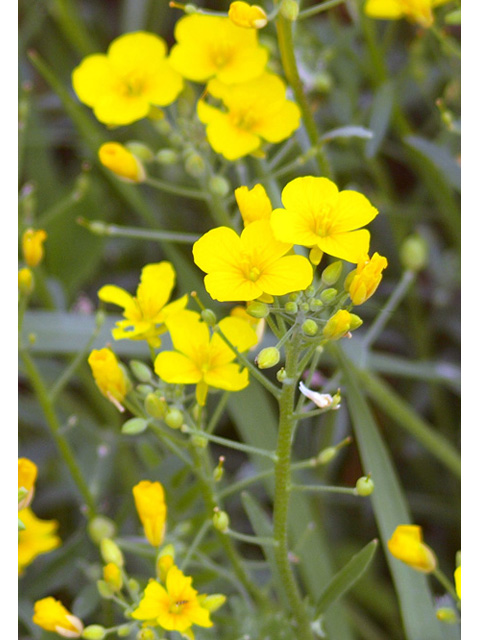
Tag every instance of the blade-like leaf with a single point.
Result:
(346, 577)
(380, 118)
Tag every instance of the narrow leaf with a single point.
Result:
(351, 131)
(440, 157)
(380, 118)
(346, 577)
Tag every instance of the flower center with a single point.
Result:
(221, 54)
(243, 119)
(323, 220)
(132, 86)
(177, 607)
(254, 274)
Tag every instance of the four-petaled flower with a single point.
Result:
(175, 606)
(318, 215)
(406, 544)
(203, 359)
(212, 46)
(253, 111)
(152, 510)
(246, 267)
(145, 314)
(419, 11)
(123, 85)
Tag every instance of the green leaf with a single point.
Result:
(351, 131)
(390, 509)
(346, 577)
(440, 157)
(134, 426)
(380, 117)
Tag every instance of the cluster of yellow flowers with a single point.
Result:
(169, 602)
(35, 536)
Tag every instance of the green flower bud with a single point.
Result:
(289, 9)
(281, 374)
(332, 273)
(209, 317)
(140, 150)
(144, 389)
(134, 426)
(364, 486)
(174, 418)
(195, 165)
(101, 527)
(327, 455)
(258, 310)
(446, 615)
(328, 295)
(291, 307)
(315, 304)
(124, 630)
(310, 327)
(111, 552)
(190, 8)
(141, 371)
(221, 521)
(200, 441)
(355, 322)
(167, 156)
(155, 406)
(304, 306)
(104, 589)
(293, 297)
(268, 357)
(133, 585)
(310, 291)
(218, 471)
(213, 601)
(163, 126)
(219, 186)
(146, 634)
(414, 253)
(94, 632)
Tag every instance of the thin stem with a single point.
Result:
(184, 192)
(115, 231)
(232, 444)
(445, 582)
(312, 11)
(195, 544)
(243, 537)
(54, 428)
(322, 488)
(217, 414)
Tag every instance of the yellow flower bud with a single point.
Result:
(457, 576)
(121, 162)
(27, 474)
(113, 576)
(338, 325)
(111, 552)
(109, 376)
(249, 16)
(254, 204)
(211, 602)
(165, 560)
(25, 281)
(152, 510)
(366, 278)
(406, 544)
(32, 246)
(51, 615)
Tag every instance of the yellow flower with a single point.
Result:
(39, 536)
(407, 545)
(123, 85)
(51, 615)
(457, 576)
(257, 324)
(25, 281)
(254, 204)
(109, 376)
(253, 111)
(145, 314)
(366, 278)
(248, 16)
(152, 510)
(246, 267)
(340, 324)
(32, 246)
(175, 607)
(112, 575)
(27, 474)
(212, 46)
(317, 215)
(415, 10)
(121, 161)
(205, 360)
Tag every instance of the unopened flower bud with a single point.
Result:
(174, 418)
(101, 527)
(113, 576)
(332, 273)
(122, 162)
(315, 304)
(291, 307)
(218, 471)
(94, 632)
(141, 371)
(258, 309)
(133, 585)
(212, 602)
(199, 441)
(364, 486)
(248, 16)
(140, 150)
(355, 322)
(209, 317)
(328, 295)
(195, 165)
(310, 328)
(165, 561)
(190, 8)
(289, 9)
(338, 325)
(221, 521)
(155, 406)
(111, 552)
(268, 357)
(327, 455)
(167, 156)
(105, 590)
(310, 291)
(281, 375)
(219, 186)
(144, 389)
(304, 306)
(26, 281)
(134, 426)
(446, 615)
(414, 253)
(146, 634)
(32, 246)
(315, 255)
(124, 630)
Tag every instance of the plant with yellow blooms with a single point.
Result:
(238, 286)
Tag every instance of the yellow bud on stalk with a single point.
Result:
(122, 162)
(406, 544)
(26, 281)
(51, 615)
(248, 16)
(32, 246)
(113, 576)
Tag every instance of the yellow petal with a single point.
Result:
(93, 79)
(189, 335)
(156, 284)
(226, 286)
(227, 377)
(384, 9)
(350, 246)
(116, 109)
(260, 244)
(116, 295)
(305, 195)
(353, 211)
(290, 273)
(293, 227)
(229, 140)
(176, 368)
(136, 52)
(254, 204)
(218, 250)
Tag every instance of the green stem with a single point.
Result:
(195, 544)
(287, 425)
(54, 427)
(184, 192)
(287, 53)
(115, 231)
(232, 444)
(319, 8)
(243, 537)
(217, 414)
(322, 488)
(445, 582)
